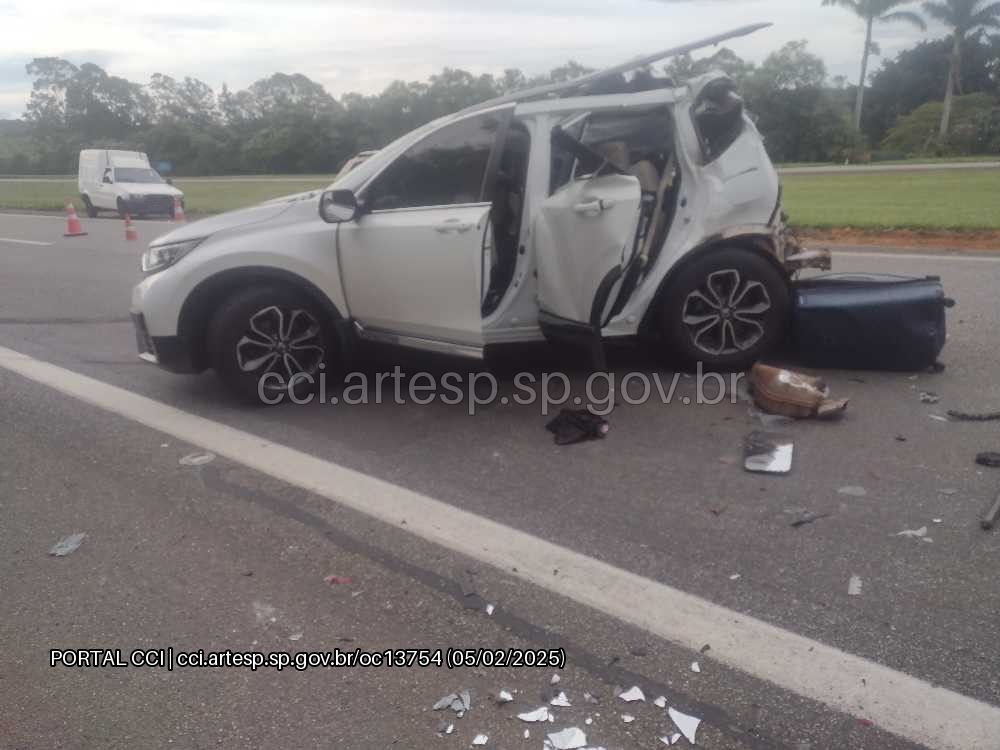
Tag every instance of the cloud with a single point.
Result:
(350, 47)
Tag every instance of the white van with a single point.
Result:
(123, 181)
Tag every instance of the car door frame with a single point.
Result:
(468, 341)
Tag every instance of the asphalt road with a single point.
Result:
(233, 554)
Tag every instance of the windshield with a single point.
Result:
(137, 174)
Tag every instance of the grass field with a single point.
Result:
(956, 200)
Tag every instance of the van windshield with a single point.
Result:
(137, 174)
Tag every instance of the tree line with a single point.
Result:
(287, 123)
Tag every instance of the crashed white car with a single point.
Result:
(555, 213)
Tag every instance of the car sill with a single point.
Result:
(415, 342)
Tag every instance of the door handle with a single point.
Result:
(454, 225)
(593, 208)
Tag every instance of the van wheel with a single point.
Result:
(122, 209)
(89, 207)
(268, 343)
(726, 309)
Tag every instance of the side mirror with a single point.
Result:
(338, 206)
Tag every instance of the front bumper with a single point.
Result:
(172, 353)
(150, 204)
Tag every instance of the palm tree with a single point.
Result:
(872, 12)
(963, 17)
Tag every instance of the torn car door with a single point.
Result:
(585, 237)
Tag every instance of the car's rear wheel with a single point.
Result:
(268, 343)
(725, 309)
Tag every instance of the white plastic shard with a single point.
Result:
(555, 679)
(660, 702)
(466, 698)
(914, 534)
(480, 739)
(628, 718)
(854, 587)
(588, 721)
(675, 738)
(852, 491)
(633, 694)
(571, 738)
(68, 545)
(561, 700)
(504, 696)
(696, 667)
(445, 702)
(197, 459)
(539, 714)
(687, 724)
(527, 733)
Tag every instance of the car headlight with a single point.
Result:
(158, 257)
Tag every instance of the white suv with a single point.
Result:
(556, 213)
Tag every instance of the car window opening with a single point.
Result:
(139, 175)
(718, 118)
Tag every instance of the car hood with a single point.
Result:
(150, 188)
(230, 220)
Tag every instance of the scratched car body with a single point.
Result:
(569, 213)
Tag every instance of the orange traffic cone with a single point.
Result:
(178, 210)
(130, 233)
(73, 228)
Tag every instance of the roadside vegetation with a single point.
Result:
(959, 200)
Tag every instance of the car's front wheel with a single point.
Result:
(725, 309)
(270, 342)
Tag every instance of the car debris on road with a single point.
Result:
(767, 453)
(577, 426)
(792, 394)
(67, 545)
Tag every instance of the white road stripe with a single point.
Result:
(23, 242)
(901, 704)
(916, 256)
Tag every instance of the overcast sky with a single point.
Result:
(364, 46)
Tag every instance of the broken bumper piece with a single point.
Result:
(821, 260)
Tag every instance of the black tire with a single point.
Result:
(238, 336)
(700, 322)
(89, 207)
(122, 208)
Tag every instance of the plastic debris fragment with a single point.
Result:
(445, 702)
(735, 577)
(633, 694)
(577, 426)
(628, 718)
(660, 702)
(688, 725)
(929, 397)
(561, 701)
(696, 667)
(555, 679)
(197, 459)
(852, 491)
(914, 534)
(767, 453)
(854, 587)
(539, 714)
(67, 545)
(295, 637)
(480, 739)
(504, 696)
(570, 738)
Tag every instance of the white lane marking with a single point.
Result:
(901, 704)
(837, 253)
(23, 242)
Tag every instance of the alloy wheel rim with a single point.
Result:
(284, 341)
(725, 314)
